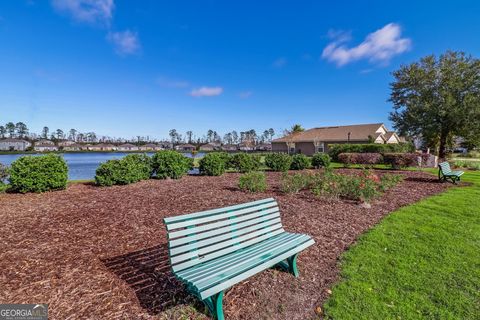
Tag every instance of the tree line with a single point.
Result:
(232, 137)
(21, 131)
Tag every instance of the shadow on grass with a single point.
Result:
(147, 272)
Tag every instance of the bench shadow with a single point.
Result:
(423, 179)
(147, 272)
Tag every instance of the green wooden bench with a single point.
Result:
(445, 173)
(212, 250)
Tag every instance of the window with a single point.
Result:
(292, 150)
(321, 147)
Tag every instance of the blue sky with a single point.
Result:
(127, 68)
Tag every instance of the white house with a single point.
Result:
(45, 147)
(11, 144)
(127, 147)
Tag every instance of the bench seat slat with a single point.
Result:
(189, 263)
(265, 265)
(215, 225)
(254, 211)
(208, 279)
(206, 213)
(270, 225)
(228, 227)
(223, 245)
(234, 257)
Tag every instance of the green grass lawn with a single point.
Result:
(420, 262)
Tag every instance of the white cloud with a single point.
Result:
(279, 63)
(245, 94)
(124, 42)
(89, 11)
(206, 92)
(172, 83)
(379, 46)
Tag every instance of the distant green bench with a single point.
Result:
(445, 173)
(212, 250)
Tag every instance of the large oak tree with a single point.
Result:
(437, 98)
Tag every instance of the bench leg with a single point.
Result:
(290, 265)
(215, 305)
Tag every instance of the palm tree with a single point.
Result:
(297, 128)
(2, 131)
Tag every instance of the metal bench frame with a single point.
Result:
(212, 250)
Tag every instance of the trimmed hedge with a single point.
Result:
(321, 160)
(300, 162)
(244, 162)
(38, 173)
(130, 169)
(360, 158)
(336, 149)
(171, 164)
(212, 164)
(278, 161)
(401, 160)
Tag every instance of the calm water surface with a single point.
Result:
(81, 166)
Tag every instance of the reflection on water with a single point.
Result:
(82, 166)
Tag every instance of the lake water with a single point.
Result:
(82, 166)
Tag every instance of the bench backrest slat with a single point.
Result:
(445, 167)
(202, 236)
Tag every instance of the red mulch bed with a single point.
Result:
(101, 252)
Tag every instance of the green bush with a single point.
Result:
(473, 154)
(293, 183)
(336, 149)
(278, 161)
(130, 169)
(472, 165)
(388, 181)
(38, 173)
(300, 162)
(212, 164)
(253, 182)
(363, 187)
(171, 164)
(321, 160)
(244, 162)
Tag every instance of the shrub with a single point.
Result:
(212, 164)
(326, 184)
(293, 183)
(388, 181)
(171, 164)
(472, 165)
(360, 158)
(401, 160)
(225, 157)
(473, 154)
(243, 162)
(278, 161)
(336, 149)
(38, 173)
(253, 182)
(321, 160)
(130, 169)
(300, 162)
